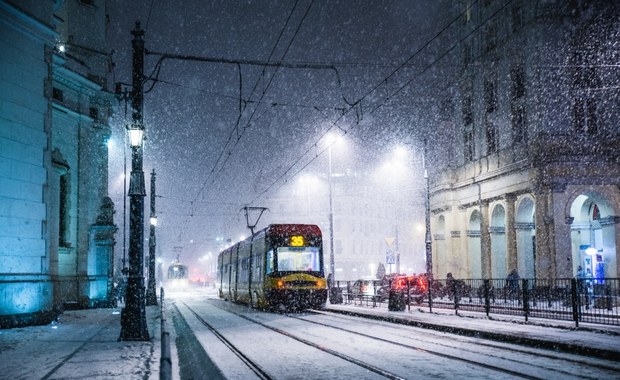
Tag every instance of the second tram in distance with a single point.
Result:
(279, 267)
(178, 276)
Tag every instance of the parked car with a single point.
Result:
(369, 288)
(415, 285)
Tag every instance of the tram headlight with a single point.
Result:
(320, 283)
(280, 284)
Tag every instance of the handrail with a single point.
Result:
(586, 299)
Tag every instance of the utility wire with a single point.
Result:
(372, 90)
(353, 105)
(148, 19)
(236, 126)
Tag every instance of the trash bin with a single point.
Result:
(396, 301)
(335, 295)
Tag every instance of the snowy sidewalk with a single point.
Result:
(82, 345)
(588, 339)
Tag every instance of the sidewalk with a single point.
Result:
(83, 344)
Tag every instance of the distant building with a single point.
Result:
(373, 217)
(530, 171)
(56, 225)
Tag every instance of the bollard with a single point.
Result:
(487, 301)
(396, 301)
(576, 300)
(165, 361)
(526, 298)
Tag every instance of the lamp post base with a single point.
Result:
(133, 315)
(131, 329)
(151, 296)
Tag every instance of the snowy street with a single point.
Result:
(324, 344)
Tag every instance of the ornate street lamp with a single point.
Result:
(133, 315)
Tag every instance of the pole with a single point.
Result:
(133, 315)
(331, 219)
(428, 241)
(151, 292)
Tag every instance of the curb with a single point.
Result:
(502, 337)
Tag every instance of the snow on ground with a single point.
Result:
(84, 343)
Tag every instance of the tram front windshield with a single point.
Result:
(294, 259)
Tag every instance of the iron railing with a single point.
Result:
(585, 300)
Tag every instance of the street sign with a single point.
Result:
(390, 258)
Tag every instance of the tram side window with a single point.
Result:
(269, 267)
(256, 268)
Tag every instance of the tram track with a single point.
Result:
(436, 353)
(251, 364)
(501, 362)
(262, 373)
(538, 353)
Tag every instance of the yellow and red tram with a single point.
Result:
(279, 267)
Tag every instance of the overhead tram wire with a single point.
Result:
(354, 104)
(389, 97)
(236, 126)
(373, 89)
(148, 19)
(267, 87)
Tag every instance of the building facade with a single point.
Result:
(531, 178)
(57, 231)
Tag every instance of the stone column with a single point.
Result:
(511, 233)
(485, 240)
(100, 279)
(544, 259)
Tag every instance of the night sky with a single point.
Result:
(214, 153)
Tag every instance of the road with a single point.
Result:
(243, 343)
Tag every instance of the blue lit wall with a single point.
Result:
(26, 44)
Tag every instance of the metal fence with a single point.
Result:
(578, 300)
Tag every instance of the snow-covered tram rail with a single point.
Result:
(279, 267)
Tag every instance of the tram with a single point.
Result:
(178, 276)
(277, 268)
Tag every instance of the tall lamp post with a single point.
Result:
(427, 212)
(151, 293)
(133, 315)
(332, 265)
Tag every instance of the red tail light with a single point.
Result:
(422, 283)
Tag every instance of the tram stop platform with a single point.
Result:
(587, 339)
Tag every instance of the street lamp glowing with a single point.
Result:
(154, 221)
(400, 152)
(136, 135)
